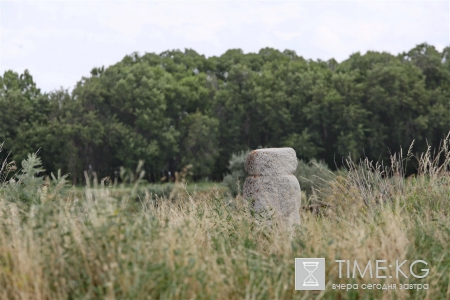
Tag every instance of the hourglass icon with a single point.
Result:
(310, 280)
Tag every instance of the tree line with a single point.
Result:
(179, 108)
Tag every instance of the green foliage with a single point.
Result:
(313, 175)
(302, 144)
(178, 108)
(27, 186)
(24, 185)
(200, 144)
(235, 179)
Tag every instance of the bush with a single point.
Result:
(28, 187)
(314, 174)
(235, 180)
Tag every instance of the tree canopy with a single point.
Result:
(179, 108)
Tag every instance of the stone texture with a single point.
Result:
(270, 184)
(271, 162)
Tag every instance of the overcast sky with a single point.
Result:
(59, 42)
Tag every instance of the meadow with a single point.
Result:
(112, 241)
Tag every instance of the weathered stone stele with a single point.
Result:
(271, 185)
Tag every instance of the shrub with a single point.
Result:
(314, 174)
(235, 180)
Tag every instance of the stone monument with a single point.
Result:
(271, 185)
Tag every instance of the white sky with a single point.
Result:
(59, 42)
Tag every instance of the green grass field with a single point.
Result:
(126, 242)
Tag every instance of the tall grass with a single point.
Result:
(59, 245)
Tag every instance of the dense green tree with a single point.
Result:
(179, 107)
(17, 96)
(200, 144)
